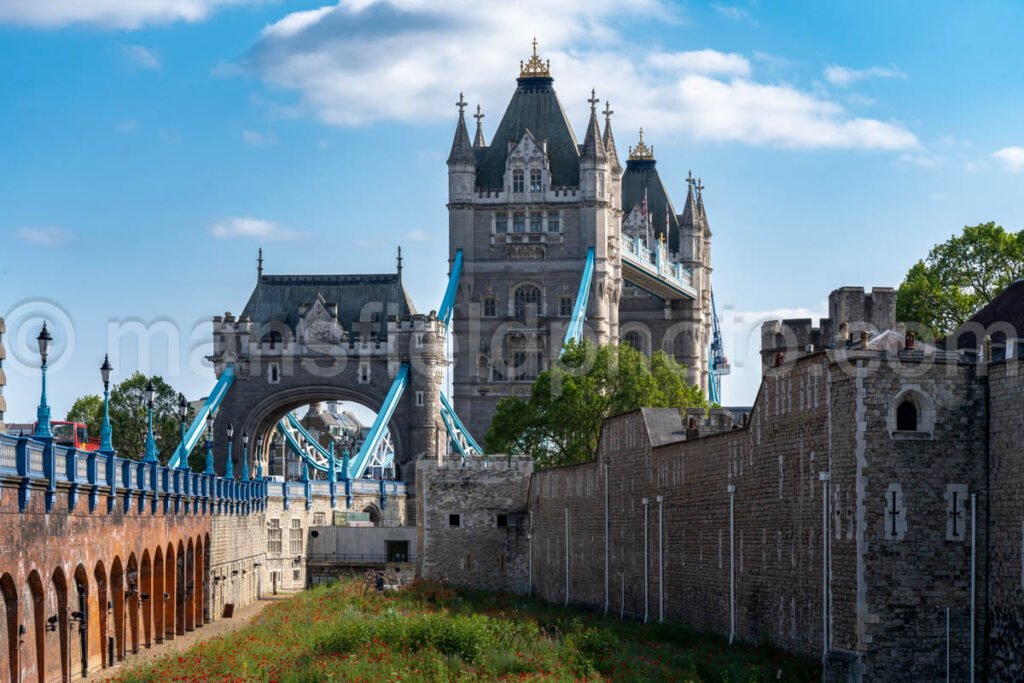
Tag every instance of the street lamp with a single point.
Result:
(149, 393)
(259, 456)
(209, 443)
(245, 456)
(182, 416)
(229, 468)
(43, 414)
(106, 444)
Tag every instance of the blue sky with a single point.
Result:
(148, 148)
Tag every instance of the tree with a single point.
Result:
(560, 423)
(89, 411)
(960, 276)
(128, 417)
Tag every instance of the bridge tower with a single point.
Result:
(525, 210)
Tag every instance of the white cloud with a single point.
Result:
(46, 235)
(1012, 158)
(418, 235)
(117, 14)
(923, 159)
(126, 127)
(842, 76)
(732, 12)
(356, 63)
(257, 139)
(707, 62)
(243, 226)
(140, 57)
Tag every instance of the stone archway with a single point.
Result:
(117, 604)
(146, 597)
(81, 618)
(60, 590)
(170, 593)
(38, 610)
(102, 610)
(131, 594)
(9, 591)
(157, 596)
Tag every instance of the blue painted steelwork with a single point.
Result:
(716, 357)
(579, 312)
(649, 270)
(191, 438)
(387, 409)
(297, 448)
(444, 314)
(460, 437)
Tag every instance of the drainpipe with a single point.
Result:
(567, 555)
(974, 550)
(529, 538)
(606, 539)
(825, 478)
(644, 502)
(731, 490)
(661, 558)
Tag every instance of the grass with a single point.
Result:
(428, 632)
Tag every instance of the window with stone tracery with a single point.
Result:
(518, 180)
(535, 177)
(527, 302)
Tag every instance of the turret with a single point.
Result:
(593, 160)
(614, 166)
(461, 161)
(479, 142)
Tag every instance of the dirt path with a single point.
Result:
(240, 620)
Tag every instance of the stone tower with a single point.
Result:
(524, 210)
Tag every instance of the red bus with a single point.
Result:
(73, 434)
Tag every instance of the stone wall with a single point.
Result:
(473, 522)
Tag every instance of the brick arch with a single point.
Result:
(207, 580)
(80, 613)
(146, 597)
(117, 604)
(199, 582)
(100, 574)
(60, 590)
(132, 591)
(157, 595)
(170, 596)
(9, 591)
(190, 586)
(38, 595)
(179, 590)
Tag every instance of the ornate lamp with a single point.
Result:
(43, 413)
(182, 416)
(106, 443)
(150, 392)
(209, 443)
(229, 467)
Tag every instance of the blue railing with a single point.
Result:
(636, 253)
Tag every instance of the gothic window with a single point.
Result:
(518, 181)
(906, 416)
(274, 373)
(536, 222)
(500, 222)
(518, 222)
(565, 306)
(519, 371)
(527, 302)
(637, 339)
(534, 180)
(490, 307)
(554, 222)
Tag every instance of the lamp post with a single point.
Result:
(43, 413)
(106, 443)
(182, 416)
(229, 468)
(259, 456)
(150, 392)
(209, 444)
(245, 456)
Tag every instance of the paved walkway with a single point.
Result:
(240, 620)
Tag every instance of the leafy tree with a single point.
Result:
(960, 276)
(89, 411)
(128, 417)
(560, 423)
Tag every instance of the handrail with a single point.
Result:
(456, 429)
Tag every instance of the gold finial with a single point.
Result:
(535, 68)
(641, 152)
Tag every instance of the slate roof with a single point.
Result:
(535, 107)
(1005, 307)
(276, 298)
(643, 173)
(664, 425)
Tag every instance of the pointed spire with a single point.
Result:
(701, 214)
(608, 139)
(399, 259)
(690, 210)
(641, 152)
(593, 148)
(462, 149)
(479, 141)
(259, 265)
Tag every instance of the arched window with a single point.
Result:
(565, 306)
(272, 339)
(527, 302)
(535, 180)
(636, 339)
(518, 180)
(490, 307)
(906, 416)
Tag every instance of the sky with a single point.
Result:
(149, 147)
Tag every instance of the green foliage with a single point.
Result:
(560, 423)
(428, 632)
(960, 276)
(128, 417)
(89, 411)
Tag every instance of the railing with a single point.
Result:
(351, 558)
(636, 253)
